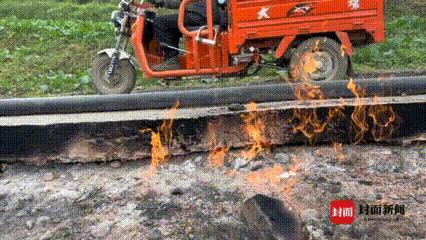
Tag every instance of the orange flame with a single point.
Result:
(384, 120)
(255, 128)
(338, 150)
(307, 64)
(167, 125)
(265, 176)
(159, 152)
(217, 154)
(291, 182)
(308, 122)
(359, 115)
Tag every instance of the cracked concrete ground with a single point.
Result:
(188, 199)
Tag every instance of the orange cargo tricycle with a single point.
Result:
(313, 39)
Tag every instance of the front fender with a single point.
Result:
(123, 55)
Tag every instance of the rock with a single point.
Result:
(155, 234)
(47, 235)
(21, 213)
(286, 175)
(423, 152)
(421, 198)
(43, 220)
(35, 210)
(101, 230)
(390, 164)
(89, 193)
(240, 163)
(254, 166)
(393, 196)
(189, 167)
(282, 157)
(336, 187)
(18, 203)
(2, 167)
(56, 220)
(369, 195)
(365, 182)
(356, 232)
(267, 218)
(69, 195)
(198, 159)
(115, 164)
(188, 230)
(315, 233)
(48, 176)
(177, 191)
(382, 151)
(323, 153)
(29, 224)
(308, 214)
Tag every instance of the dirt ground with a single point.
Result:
(188, 199)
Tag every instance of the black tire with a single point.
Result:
(330, 63)
(123, 80)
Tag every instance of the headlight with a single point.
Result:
(117, 18)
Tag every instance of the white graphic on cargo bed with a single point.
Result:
(263, 13)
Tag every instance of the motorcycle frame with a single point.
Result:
(277, 33)
(192, 45)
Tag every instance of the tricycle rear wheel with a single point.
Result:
(319, 59)
(122, 81)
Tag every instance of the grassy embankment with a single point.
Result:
(47, 46)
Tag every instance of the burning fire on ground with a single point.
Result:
(255, 128)
(275, 177)
(265, 176)
(359, 115)
(338, 150)
(308, 121)
(160, 151)
(218, 153)
(385, 120)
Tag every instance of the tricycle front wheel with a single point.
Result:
(122, 81)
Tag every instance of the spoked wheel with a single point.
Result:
(122, 81)
(319, 59)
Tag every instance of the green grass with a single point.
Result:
(404, 48)
(42, 57)
(47, 46)
(57, 10)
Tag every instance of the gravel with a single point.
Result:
(186, 198)
(308, 214)
(155, 234)
(48, 177)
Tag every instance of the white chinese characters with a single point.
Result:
(354, 4)
(343, 212)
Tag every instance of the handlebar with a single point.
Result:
(181, 20)
(141, 5)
